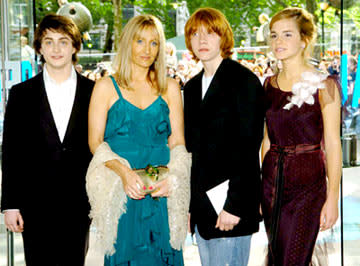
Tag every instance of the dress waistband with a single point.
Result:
(301, 148)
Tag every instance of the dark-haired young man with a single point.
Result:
(46, 153)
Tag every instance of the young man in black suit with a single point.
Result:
(46, 152)
(223, 130)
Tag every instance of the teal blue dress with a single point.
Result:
(141, 137)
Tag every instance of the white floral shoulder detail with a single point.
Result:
(304, 90)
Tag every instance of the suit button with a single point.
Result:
(63, 149)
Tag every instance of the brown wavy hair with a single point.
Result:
(215, 21)
(60, 24)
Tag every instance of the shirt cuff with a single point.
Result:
(10, 210)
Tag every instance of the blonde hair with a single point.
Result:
(172, 48)
(305, 23)
(157, 72)
(214, 21)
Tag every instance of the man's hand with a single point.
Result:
(14, 221)
(226, 221)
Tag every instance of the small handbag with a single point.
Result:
(151, 175)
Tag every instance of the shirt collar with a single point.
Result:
(49, 80)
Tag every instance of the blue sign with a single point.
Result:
(344, 77)
(26, 70)
(356, 93)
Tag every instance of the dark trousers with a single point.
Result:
(56, 241)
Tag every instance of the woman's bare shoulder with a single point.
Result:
(105, 85)
(104, 82)
(172, 90)
(173, 86)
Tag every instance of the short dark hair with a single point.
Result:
(60, 24)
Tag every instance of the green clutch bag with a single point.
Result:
(151, 175)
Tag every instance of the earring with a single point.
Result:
(303, 46)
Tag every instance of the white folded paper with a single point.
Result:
(217, 195)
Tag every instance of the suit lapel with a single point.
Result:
(197, 89)
(192, 101)
(214, 85)
(47, 121)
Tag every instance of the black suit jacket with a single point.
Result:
(38, 169)
(224, 132)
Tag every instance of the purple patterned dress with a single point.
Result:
(293, 177)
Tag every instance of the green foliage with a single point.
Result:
(241, 14)
(98, 9)
(354, 14)
(162, 9)
(331, 17)
(43, 7)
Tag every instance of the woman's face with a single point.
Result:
(145, 47)
(285, 39)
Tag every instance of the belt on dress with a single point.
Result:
(300, 148)
(279, 186)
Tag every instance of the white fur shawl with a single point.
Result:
(108, 199)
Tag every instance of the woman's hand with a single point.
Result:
(133, 185)
(161, 189)
(329, 213)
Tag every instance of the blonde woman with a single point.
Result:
(138, 113)
(302, 113)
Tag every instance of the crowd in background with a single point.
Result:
(186, 67)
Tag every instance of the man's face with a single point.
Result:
(206, 44)
(57, 50)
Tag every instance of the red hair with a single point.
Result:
(214, 21)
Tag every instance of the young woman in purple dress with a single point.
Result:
(301, 149)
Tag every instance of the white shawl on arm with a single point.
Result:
(108, 199)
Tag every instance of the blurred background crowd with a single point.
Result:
(182, 67)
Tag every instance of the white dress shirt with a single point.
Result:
(61, 99)
(205, 84)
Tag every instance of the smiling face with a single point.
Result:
(206, 44)
(57, 50)
(285, 40)
(145, 47)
